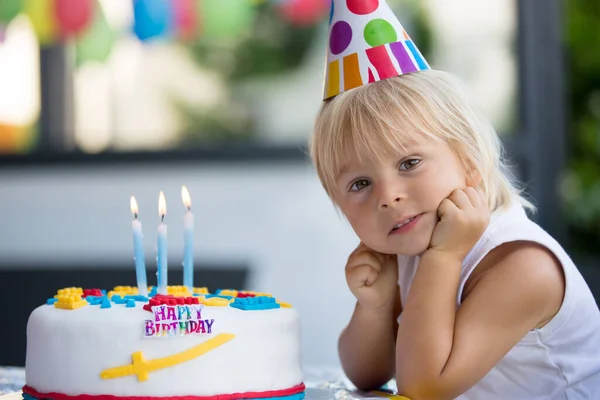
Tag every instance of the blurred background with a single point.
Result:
(104, 99)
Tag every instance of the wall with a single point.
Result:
(277, 218)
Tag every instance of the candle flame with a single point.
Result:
(134, 206)
(162, 205)
(185, 196)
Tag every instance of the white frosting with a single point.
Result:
(67, 350)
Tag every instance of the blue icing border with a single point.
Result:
(297, 396)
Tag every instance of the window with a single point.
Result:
(477, 41)
(19, 87)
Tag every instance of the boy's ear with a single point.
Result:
(473, 177)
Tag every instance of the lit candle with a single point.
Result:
(138, 250)
(161, 259)
(188, 237)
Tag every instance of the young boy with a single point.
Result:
(459, 294)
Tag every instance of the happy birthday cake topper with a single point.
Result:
(177, 320)
(367, 43)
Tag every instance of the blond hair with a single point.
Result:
(367, 122)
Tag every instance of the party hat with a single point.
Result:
(367, 44)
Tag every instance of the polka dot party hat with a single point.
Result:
(367, 44)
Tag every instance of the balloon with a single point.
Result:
(10, 9)
(41, 15)
(96, 42)
(73, 16)
(303, 12)
(226, 19)
(16, 139)
(153, 18)
(185, 18)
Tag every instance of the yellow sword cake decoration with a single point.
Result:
(142, 367)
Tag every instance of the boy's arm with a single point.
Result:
(442, 352)
(367, 345)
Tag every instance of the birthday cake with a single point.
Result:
(96, 345)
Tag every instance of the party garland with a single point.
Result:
(56, 21)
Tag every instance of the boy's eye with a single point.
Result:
(409, 164)
(358, 185)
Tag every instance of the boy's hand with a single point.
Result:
(372, 277)
(464, 216)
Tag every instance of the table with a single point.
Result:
(321, 384)
(11, 380)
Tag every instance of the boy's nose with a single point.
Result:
(389, 202)
(389, 191)
(390, 195)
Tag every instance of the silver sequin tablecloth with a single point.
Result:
(11, 380)
(321, 384)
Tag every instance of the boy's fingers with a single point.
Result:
(361, 276)
(364, 258)
(474, 196)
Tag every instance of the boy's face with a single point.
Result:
(392, 203)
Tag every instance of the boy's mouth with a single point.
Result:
(403, 222)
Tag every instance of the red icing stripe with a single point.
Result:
(249, 395)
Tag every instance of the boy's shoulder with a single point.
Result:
(511, 222)
(522, 266)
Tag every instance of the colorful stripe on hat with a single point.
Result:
(384, 62)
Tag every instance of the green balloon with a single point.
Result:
(96, 43)
(10, 9)
(225, 19)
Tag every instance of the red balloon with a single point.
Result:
(304, 12)
(185, 15)
(73, 16)
(362, 7)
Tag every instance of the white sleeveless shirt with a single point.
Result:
(558, 361)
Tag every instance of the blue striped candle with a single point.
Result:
(161, 258)
(188, 237)
(138, 250)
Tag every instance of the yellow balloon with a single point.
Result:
(41, 15)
